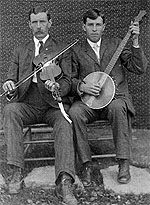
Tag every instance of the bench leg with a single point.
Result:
(29, 138)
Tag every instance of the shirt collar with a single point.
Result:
(92, 43)
(36, 41)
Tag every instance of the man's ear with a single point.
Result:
(30, 24)
(50, 23)
(104, 27)
(83, 27)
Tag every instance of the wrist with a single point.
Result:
(80, 89)
(81, 86)
(136, 43)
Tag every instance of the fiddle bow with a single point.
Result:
(45, 59)
(40, 62)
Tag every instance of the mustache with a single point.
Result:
(39, 32)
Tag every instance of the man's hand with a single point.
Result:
(90, 88)
(9, 86)
(51, 86)
(135, 30)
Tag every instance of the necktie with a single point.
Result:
(41, 46)
(96, 49)
(40, 49)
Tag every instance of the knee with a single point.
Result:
(10, 109)
(117, 108)
(75, 111)
(62, 126)
(60, 122)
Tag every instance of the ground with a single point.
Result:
(94, 195)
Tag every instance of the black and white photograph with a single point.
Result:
(75, 102)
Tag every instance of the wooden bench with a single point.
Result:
(31, 132)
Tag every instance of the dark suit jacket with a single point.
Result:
(22, 64)
(84, 61)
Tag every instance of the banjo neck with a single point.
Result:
(105, 82)
(119, 50)
(117, 53)
(114, 58)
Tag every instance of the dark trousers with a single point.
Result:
(34, 110)
(117, 114)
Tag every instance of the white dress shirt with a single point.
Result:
(95, 47)
(37, 46)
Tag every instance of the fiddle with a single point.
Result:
(51, 72)
(40, 62)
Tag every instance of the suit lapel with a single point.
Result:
(50, 47)
(103, 48)
(48, 44)
(31, 50)
(90, 52)
(31, 46)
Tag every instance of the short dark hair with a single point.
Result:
(39, 9)
(93, 14)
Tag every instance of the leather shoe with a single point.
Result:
(16, 183)
(64, 191)
(87, 174)
(124, 176)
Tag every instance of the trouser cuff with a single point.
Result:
(67, 171)
(18, 164)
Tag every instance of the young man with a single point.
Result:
(86, 60)
(33, 102)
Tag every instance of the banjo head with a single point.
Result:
(106, 94)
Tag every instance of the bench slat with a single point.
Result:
(44, 128)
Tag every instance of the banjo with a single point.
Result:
(103, 79)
